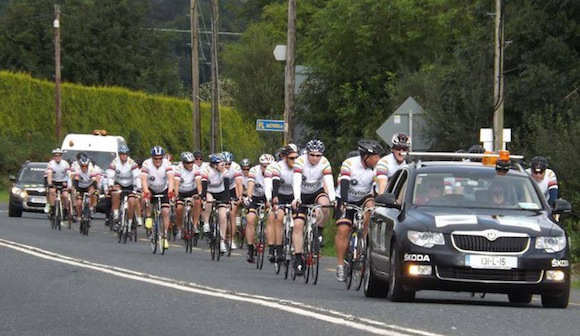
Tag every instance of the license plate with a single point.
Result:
(493, 262)
(37, 200)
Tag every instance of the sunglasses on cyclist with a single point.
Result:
(315, 155)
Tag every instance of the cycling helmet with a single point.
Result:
(198, 154)
(123, 149)
(352, 154)
(228, 156)
(57, 151)
(539, 164)
(401, 140)
(290, 148)
(477, 149)
(80, 155)
(245, 163)
(215, 158)
(315, 145)
(266, 159)
(84, 161)
(369, 147)
(157, 150)
(187, 157)
(279, 154)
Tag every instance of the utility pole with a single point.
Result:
(290, 78)
(498, 93)
(56, 25)
(195, 75)
(215, 122)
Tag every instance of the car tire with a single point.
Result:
(372, 286)
(14, 211)
(559, 301)
(396, 291)
(520, 298)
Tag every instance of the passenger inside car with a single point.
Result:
(431, 188)
(500, 195)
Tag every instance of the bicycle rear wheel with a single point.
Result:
(217, 238)
(287, 251)
(212, 238)
(229, 236)
(359, 262)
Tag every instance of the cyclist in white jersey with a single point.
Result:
(389, 164)
(545, 178)
(58, 176)
(124, 175)
(279, 190)
(245, 165)
(256, 195)
(157, 178)
(216, 188)
(85, 181)
(236, 189)
(312, 183)
(188, 185)
(355, 186)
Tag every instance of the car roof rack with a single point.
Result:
(417, 157)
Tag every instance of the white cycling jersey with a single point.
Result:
(259, 179)
(549, 182)
(308, 178)
(387, 166)
(282, 172)
(157, 177)
(124, 174)
(187, 177)
(86, 178)
(60, 171)
(214, 178)
(361, 179)
(234, 172)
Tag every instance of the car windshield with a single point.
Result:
(101, 159)
(31, 174)
(475, 190)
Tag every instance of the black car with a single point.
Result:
(466, 226)
(28, 192)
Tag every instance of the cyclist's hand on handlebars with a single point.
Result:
(247, 201)
(146, 194)
(171, 195)
(64, 185)
(296, 204)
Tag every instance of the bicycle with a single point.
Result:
(287, 249)
(189, 235)
(215, 231)
(56, 210)
(156, 238)
(85, 214)
(260, 236)
(172, 221)
(355, 256)
(311, 249)
(125, 230)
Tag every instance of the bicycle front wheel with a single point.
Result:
(358, 268)
(348, 261)
(229, 237)
(260, 247)
(314, 264)
(154, 236)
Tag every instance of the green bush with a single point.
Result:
(27, 109)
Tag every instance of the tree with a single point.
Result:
(103, 43)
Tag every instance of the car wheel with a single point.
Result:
(372, 286)
(560, 301)
(519, 297)
(14, 211)
(396, 291)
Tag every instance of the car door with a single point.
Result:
(386, 219)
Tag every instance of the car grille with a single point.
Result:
(487, 275)
(482, 244)
(34, 192)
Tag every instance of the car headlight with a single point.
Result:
(425, 239)
(551, 244)
(19, 192)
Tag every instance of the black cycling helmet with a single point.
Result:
(476, 149)
(539, 164)
(369, 147)
(352, 154)
(289, 148)
(81, 154)
(198, 154)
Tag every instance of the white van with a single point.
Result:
(99, 146)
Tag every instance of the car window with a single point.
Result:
(31, 174)
(476, 190)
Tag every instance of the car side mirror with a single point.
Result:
(387, 200)
(12, 178)
(561, 206)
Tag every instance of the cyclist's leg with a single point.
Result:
(251, 230)
(233, 214)
(341, 239)
(116, 201)
(367, 204)
(179, 207)
(196, 212)
(206, 213)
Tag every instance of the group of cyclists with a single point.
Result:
(296, 177)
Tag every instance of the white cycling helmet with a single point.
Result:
(266, 159)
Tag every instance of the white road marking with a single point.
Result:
(293, 307)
